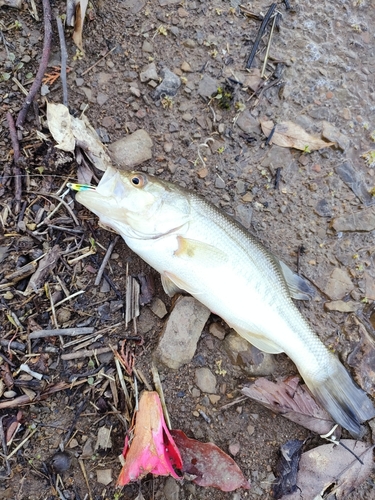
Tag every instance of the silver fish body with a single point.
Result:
(200, 250)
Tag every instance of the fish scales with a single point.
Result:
(197, 248)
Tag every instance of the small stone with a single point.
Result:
(248, 123)
(135, 91)
(214, 398)
(205, 380)
(217, 330)
(187, 117)
(178, 341)
(244, 215)
(250, 359)
(102, 98)
(88, 449)
(182, 12)
(190, 44)
(171, 489)
(253, 79)
(203, 172)
(8, 295)
(207, 86)
(323, 208)
(195, 392)
(185, 66)
(250, 429)
(147, 47)
(158, 308)
(341, 306)
(73, 443)
(169, 86)
(9, 394)
(331, 133)
(234, 448)
(131, 150)
(363, 220)
(104, 441)
(148, 73)
(339, 284)
(219, 183)
(63, 315)
(104, 476)
(329, 95)
(369, 286)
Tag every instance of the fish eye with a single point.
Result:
(138, 180)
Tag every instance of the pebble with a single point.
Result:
(250, 359)
(244, 215)
(363, 220)
(9, 394)
(147, 46)
(217, 330)
(207, 86)
(131, 150)
(178, 341)
(148, 73)
(169, 86)
(250, 429)
(187, 117)
(104, 476)
(185, 66)
(234, 448)
(158, 308)
(339, 284)
(189, 43)
(205, 380)
(341, 306)
(171, 489)
(219, 183)
(331, 133)
(203, 172)
(248, 123)
(323, 208)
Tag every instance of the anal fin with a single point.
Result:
(173, 284)
(259, 341)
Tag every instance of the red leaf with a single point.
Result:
(210, 465)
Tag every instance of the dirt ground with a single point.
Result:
(326, 51)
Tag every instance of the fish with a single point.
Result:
(200, 250)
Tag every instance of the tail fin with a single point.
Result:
(342, 398)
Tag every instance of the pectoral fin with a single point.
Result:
(173, 284)
(202, 253)
(259, 341)
(299, 288)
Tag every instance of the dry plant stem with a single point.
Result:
(4, 446)
(262, 28)
(16, 158)
(22, 443)
(71, 332)
(105, 260)
(64, 58)
(97, 62)
(268, 46)
(83, 469)
(43, 64)
(86, 353)
(159, 390)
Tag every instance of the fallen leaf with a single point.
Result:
(293, 401)
(290, 135)
(333, 470)
(87, 139)
(211, 466)
(287, 468)
(60, 125)
(78, 23)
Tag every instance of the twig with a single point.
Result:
(277, 177)
(105, 260)
(21, 444)
(67, 298)
(70, 332)
(97, 62)
(268, 140)
(83, 469)
(262, 28)
(268, 46)
(159, 390)
(86, 353)
(43, 64)
(16, 159)
(4, 446)
(64, 58)
(66, 205)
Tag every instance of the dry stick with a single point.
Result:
(64, 58)
(263, 26)
(43, 64)
(70, 332)
(16, 158)
(268, 47)
(105, 260)
(97, 62)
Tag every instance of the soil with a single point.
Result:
(326, 52)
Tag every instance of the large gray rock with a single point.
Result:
(178, 341)
(131, 150)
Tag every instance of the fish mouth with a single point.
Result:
(111, 184)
